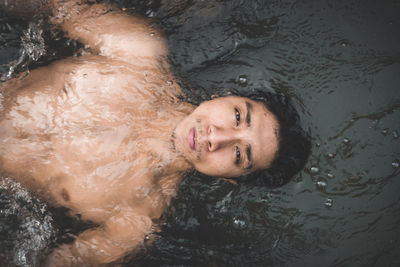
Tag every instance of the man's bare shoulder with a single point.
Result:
(113, 33)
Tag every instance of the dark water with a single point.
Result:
(340, 62)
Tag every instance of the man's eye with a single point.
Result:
(237, 156)
(237, 116)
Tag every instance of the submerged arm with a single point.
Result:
(108, 31)
(105, 29)
(119, 235)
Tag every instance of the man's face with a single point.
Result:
(228, 137)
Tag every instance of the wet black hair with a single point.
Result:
(293, 142)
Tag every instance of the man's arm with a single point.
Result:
(106, 30)
(119, 235)
(109, 32)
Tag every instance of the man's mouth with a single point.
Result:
(192, 139)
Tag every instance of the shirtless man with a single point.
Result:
(106, 136)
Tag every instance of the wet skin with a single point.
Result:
(106, 136)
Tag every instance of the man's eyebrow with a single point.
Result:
(249, 158)
(249, 109)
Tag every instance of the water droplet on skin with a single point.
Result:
(385, 131)
(395, 163)
(314, 170)
(346, 140)
(328, 203)
(395, 134)
(330, 175)
(152, 34)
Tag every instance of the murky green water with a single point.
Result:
(340, 62)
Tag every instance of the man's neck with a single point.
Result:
(171, 161)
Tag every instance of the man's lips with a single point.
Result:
(192, 139)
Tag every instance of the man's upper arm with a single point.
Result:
(110, 32)
(120, 234)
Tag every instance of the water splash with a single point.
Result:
(33, 41)
(28, 238)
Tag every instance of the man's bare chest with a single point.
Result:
(87, 137)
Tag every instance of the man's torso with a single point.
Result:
(86, 133)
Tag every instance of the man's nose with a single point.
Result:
(219, 137)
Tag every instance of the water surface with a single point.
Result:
(340, 62)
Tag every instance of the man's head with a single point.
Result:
(228, 137)
(243, 136)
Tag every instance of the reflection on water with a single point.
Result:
(340, 62)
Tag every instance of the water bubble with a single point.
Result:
(321, 183)
(395, 163)
(331, 155)
(328, 203)
(385, 131)
(314, 170)
(239, 224)
(242, 80)
(330, 175)
(346, 140)
(395, 134)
